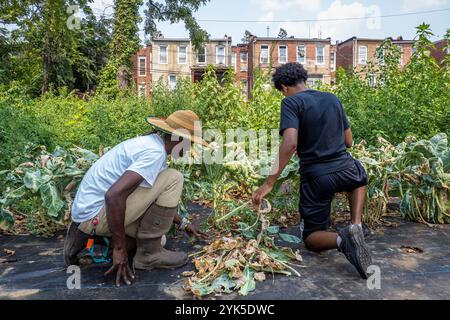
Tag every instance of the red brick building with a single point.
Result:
(240, 64)
(313, 54)
(439, 53)
(142, 74)
(356, 53)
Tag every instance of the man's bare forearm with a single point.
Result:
(286, 152)
(115, 215)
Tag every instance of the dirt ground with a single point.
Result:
(36, 270)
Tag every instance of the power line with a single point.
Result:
(326, 20)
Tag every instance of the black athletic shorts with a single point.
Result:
(317, 193)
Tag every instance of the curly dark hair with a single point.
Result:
(289, 74)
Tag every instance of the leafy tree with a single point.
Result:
(92, 52)
(446, 62)
(125, 40)
(47, 47)
(5, 59)
(176, 11)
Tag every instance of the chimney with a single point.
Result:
(399, 38)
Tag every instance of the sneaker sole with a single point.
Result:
(364, 260)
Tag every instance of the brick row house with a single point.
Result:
(169, 59)
(240, 64)
(142, 74)
(441, 49)
(356, 53)
(314, 54)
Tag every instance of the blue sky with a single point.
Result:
(274, 13)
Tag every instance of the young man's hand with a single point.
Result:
(260, 194)
(120, 263)
(193, 231)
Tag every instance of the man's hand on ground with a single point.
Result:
(260, 194)
(121, 266)
(192, 231)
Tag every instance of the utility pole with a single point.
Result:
(268, 31)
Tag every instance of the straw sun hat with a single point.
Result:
(181, 123)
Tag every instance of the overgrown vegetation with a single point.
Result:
(400, 124)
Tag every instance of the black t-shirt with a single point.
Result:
(321, 122)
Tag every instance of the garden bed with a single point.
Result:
(36, 270)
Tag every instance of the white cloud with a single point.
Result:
(334, 29)
(276, 5)
(413, 5)
(271, 7)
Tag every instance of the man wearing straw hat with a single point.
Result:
(130, 193)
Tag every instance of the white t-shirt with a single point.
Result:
(144, 155)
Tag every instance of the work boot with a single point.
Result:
(74, 243)
(150, 254)
(354, 248)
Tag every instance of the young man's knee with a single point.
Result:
(310, 246)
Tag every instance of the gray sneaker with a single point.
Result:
(366, 231)
(355, 249)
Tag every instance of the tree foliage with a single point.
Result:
(44, 52)
(175, 11)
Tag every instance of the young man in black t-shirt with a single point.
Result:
(314, 125)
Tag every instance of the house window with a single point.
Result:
(320, 55)
(372, 80)
(142, 90)
(220, 55)
(201, 55)
(314, 81)
(162, 54)
(182, 53)
(264, 54)
(244, 56)
(172, 81)
(400, 48)
(234, 61)
(301, 54)
(282, 54)
(333, 61)
(381, 57)
(142, 69)
(362, 55)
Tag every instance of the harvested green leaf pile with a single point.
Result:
(231, 263)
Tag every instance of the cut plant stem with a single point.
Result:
(232, 212)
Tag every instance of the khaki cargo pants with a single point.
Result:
(166, 192)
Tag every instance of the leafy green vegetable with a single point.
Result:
(290, 238)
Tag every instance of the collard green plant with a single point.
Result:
(423, 169)
(418, 171)
(47, 179)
